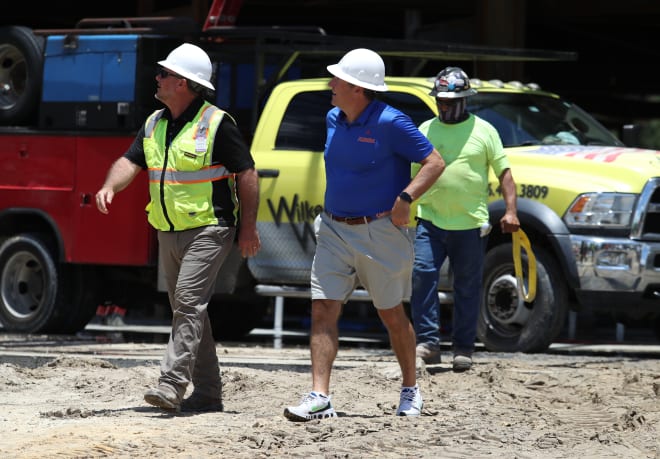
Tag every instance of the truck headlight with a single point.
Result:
(601, 210)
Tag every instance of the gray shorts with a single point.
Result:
(377, 256)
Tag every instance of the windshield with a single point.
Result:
(528, 119)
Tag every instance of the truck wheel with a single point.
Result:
(21, 69)
(37, 295)
(506, 322)
(28, 284)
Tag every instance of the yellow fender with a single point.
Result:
(520, 239)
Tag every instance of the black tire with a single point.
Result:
(21, 72)
(29, 281)
(507, 323)
(80, 298)
(37, 295)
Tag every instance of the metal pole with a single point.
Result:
(277, 322)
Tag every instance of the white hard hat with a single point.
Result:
(361, 67)
(191, 62)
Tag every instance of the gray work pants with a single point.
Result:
(190, 261)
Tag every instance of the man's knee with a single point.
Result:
(326, 311)
(394, 318)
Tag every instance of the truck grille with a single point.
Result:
(646, 220)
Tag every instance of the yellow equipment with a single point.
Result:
(520, 239)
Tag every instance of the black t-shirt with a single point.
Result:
(229, 149)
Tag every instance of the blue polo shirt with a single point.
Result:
(367, 163)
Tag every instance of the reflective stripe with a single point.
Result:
(207, 174)
(202, 130)
(151, 122)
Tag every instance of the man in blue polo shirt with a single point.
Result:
(362, 237)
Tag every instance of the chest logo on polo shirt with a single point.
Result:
(365, 139)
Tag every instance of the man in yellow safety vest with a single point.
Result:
(203, 188)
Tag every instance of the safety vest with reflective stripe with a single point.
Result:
(181, 177)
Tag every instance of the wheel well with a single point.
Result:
(19, 221)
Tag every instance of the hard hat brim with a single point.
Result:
(339, 73)
(185, 74)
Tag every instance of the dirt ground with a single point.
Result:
(82, 400)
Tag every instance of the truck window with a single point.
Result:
(528, 119)
(303, 124)
(409, 104)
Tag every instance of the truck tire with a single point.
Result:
(28, 284)
(36, 294)
(21, 70)
(506, 322)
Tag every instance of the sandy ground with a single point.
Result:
(85, 400)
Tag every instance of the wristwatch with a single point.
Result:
(406, 197)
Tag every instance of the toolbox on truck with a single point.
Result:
(100, 82)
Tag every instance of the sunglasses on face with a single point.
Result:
(164, 74)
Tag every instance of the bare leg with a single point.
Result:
(402, 340)
(324, 342)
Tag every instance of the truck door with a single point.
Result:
(292, 184)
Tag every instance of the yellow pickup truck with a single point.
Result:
(589, 205)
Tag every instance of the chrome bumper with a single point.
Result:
(616, 264)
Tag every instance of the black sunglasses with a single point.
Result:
(164, 74)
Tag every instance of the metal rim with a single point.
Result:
(22, 285)
(504, 303)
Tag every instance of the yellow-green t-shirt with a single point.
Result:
(458, 200)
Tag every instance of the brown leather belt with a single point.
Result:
(356, 220)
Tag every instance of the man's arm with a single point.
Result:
(509, 222)
(121, 174)
(248, 196)
(432, 167)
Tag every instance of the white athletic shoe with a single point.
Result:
(312, 406)
(410, 402)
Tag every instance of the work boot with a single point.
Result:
(164, 397)
(462, 362)
(201, 402)
(429, 353)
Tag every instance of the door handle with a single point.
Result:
(268, 173)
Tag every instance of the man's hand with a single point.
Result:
(509, 223)
(400, 213)
(121, 173)
(104, 199)
(249, 242)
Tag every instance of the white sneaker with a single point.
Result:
(312, 406)
(410, 402)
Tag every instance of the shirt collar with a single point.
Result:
(365, 115)
(188, 114)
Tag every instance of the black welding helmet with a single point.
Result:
(452, 83)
